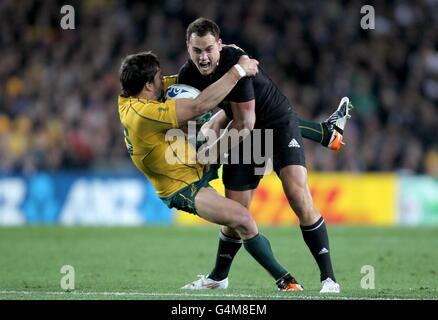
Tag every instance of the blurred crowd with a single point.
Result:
(58, 98)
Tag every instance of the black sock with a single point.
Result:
(260, 249)
(227, 249)
(316, 239)
(325, 135)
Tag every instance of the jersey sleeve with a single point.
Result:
(242, 92)
(244, 89)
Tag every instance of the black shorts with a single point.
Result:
(287, 149)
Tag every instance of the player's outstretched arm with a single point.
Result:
(211, 96)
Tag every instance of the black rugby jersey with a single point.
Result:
(270, 103)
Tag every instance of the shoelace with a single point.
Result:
(335, 116)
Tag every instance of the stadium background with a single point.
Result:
(62, 156)
(58, 103)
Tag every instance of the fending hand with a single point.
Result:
(249, 65)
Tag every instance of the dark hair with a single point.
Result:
(137, 70)
(201, 27)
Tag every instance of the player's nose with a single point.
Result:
(203, 56)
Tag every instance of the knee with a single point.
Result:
(243, 223)
(230, 232)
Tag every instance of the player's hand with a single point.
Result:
(249, 65)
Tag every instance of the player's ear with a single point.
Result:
(149, 87)
(219, 43)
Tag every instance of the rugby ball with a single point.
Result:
(183, 91)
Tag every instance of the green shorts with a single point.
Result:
(184, 199)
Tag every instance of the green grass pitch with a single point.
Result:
(154, 262)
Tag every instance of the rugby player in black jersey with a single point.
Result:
(257, 103)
